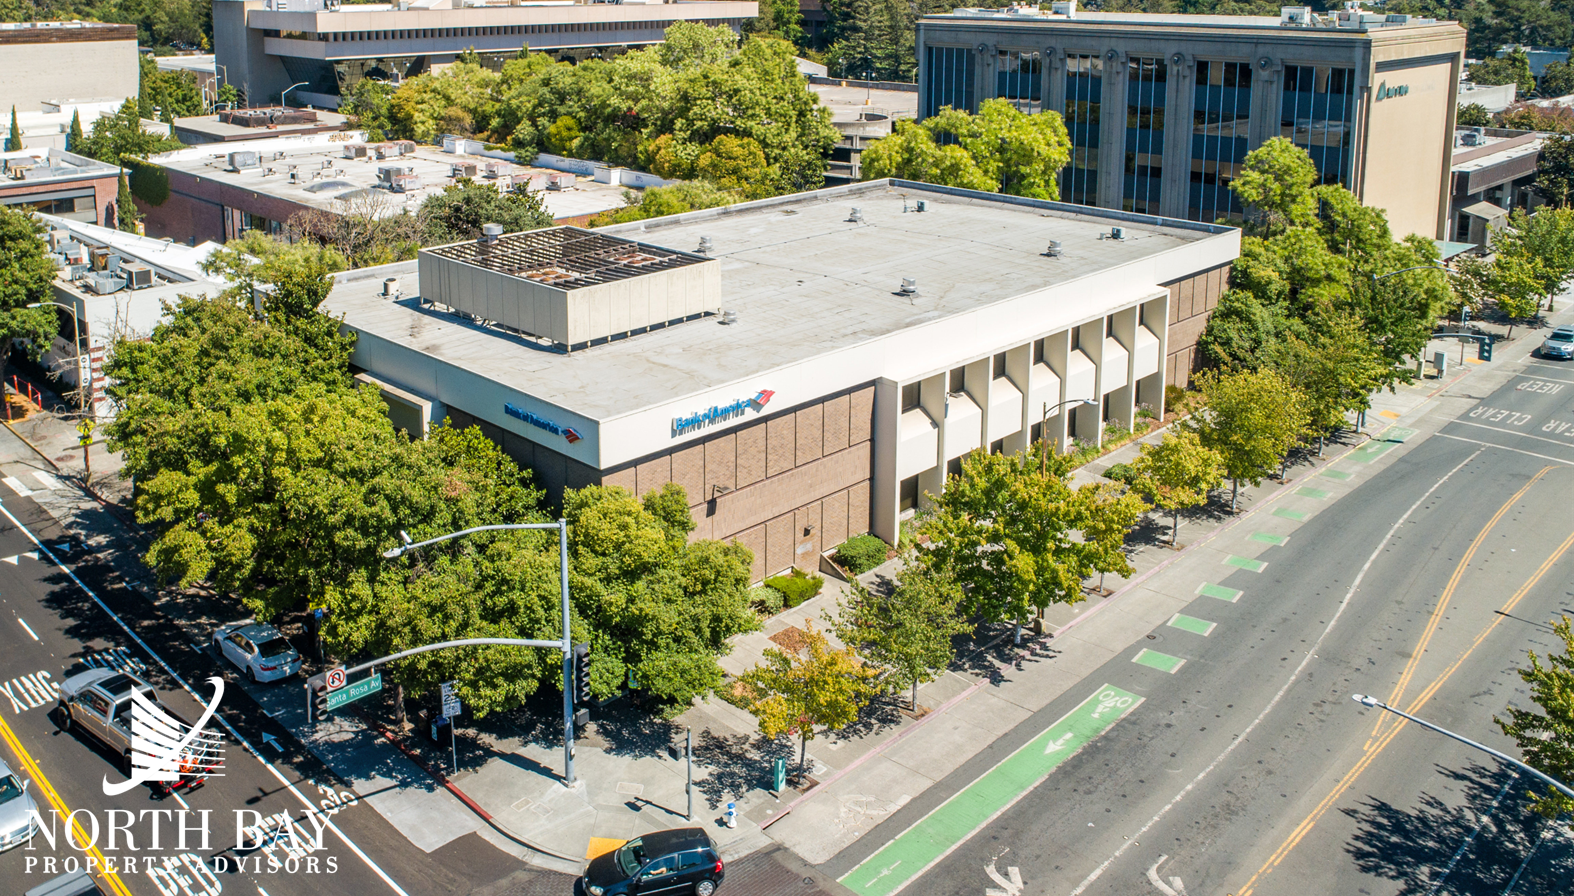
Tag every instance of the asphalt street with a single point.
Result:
(308, 834)
(1243, 766)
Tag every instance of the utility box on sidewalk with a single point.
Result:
(1440, 363)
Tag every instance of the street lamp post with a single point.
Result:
(567, 643)
(1374, 703)
(84, 375)
(1043, 431)
(282, 104)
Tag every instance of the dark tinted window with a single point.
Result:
(690, 860)
(272, 648)
(661, 867)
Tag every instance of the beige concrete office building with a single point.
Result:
(806, 367)
(51, 62)
(1162, 109)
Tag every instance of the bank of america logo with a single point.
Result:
(759, 400)
(163, 748)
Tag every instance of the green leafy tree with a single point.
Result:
(1001, 149)
(673, 199)
(126, 214)
(1017, 539)
(564, 135)
(370, 107)
(908, 630)
(1531, 117)
(458, 212)
(818, 688)
(1252, 418)
(1336, 374)
(256, 257)
(13, 140)
(460, 99)
(1473, 115)
(1512, 68)
(1555, 171)
(1176, 474)
(166, 95)
(778, 18)
(731, 163)
(121, 134)
(229, 97)
(74, 136)
(1557, 79)
(1276, 182)
(1546, 735)
(26, 276)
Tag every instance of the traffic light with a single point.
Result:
(581, 673)
(319, 691)
(1484, 349)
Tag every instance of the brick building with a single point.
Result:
(806, 367)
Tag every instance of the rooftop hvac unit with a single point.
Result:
(404, 147)
(18, 168)
(1469, 138)
(58, 239)
(100, 258)
(112, 264)
(242, 160)
(103, 283)
(355, 151)
(138, 276)
(295, 177)
(559, 181)
(77, 271)
(462, 169)
(1396, 19)
(75, 254)
(493, 169)
(1067, 8)
(1295, 15)
(386, 173)
(406, 183)
(1117, 233)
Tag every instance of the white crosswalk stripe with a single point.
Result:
(48, 481)
(16, 485)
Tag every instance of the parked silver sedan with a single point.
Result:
(257, 649)
(1559, 344)
(17, 810)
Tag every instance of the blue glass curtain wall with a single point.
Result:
(1079, 180)
(1019, 77)
(1146, 79)
(1221, 119)
(948, 79)
(1315, 114)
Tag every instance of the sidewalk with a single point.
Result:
(630, 765)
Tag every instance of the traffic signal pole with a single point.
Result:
(568, 658)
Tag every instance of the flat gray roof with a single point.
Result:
(1160, 20)
(210, 125)
(804, 280)
(46, 165)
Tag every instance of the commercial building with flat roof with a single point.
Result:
(1162, 109)
(61, 183)
(219, 191)
(235, 125)
(806, 367)
(266, 46)
(1494, 174)
(44, 62)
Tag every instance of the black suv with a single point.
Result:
(680, 861)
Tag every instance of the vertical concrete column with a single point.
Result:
(931, 397)
(1175, 191)
(1122, 401)
(1057, 347)
(1054, 89)
(980, 375)
(1267, 87)
(883, 485)
(1157, 313)
(1112, 130)
(1019, 368)
(1090, 418)
(983, 75)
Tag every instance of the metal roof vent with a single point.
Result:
(1054, 249)
(857, 216)
(391, 286)
(707, 245)
(1117, 233)
(490, 232)
(922, 206)
(729, 317)
(909, 286)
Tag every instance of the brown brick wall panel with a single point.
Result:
(748, 507)
(808, 533)
(653, 474)
(688, 470)
(721, 462)
(1184, 334)
(809, 425)
(779, 543)
(834, 437)
(781, 445)
(625, 477)
(702, 523)
(751, 455)
(860, 420)
(1183, 299)
(835, 516)
(858, 509)
(754, 540)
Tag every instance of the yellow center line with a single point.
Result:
(1415, 706)
(116, 886)
(1443, 599)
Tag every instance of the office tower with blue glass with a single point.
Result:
(1162, 109)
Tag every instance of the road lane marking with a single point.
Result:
(1307, 491)
(230, 729)
(956, 820)
(1288, 514)
(1523, 435)
(16, 485)
(1268, 538)
(1160, 661)
(1295, 676)
(25, 760)
(1448, 593)
(1556, 460)
(1192, 624)
(1415, 707)
(1337, 475)
(30, 691)
(48, 481)
(30, 632)
(1219, 592)
(1245, 563)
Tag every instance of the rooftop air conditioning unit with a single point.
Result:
(355, 151)
(295, 177)
(493, 169)
(103, 284)
(404, 147)
(58, 239)
(112, 264)
(406, 183)
(559, 181)
(241, 160)
(1117, 233)
(1295, 15)
(1469, 138)
(1396, 19)
(138, 276)
(1067, 8)
(75, 255)
(100, 258)
(76, 271)
(465, 169)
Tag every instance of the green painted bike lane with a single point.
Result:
(950, 824)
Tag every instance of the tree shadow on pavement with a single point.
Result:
(737, 763)
(1414, 847)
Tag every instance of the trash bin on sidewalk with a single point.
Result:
(442, 730)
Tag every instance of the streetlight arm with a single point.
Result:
(1553, 782)
(1436, 267)
(462, 642)
(395, 552)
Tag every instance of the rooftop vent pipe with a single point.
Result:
(706, 245)
(1054, 249)
(909, 286)
(857, 216)
(491, 232)
(391, 286)
(729, 317)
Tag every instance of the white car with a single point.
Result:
(17, 810)
(257, 649)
